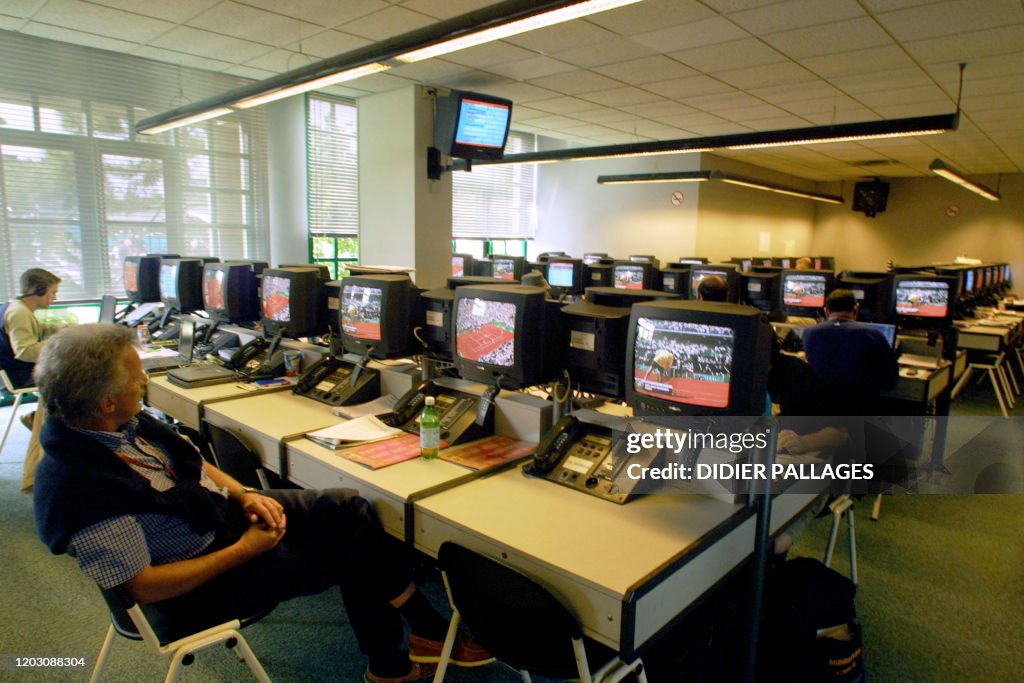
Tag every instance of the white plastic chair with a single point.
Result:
(18, 395)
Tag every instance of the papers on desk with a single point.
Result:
(487, 453)
(919, 361)
(156, 352)
(380, 454)
(378, 406)
(361, 429)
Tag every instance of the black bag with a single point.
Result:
(805, 598)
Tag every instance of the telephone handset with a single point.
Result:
(247, 352)
(410, 405)
(553, 445)
(318, 372)
(271, 367)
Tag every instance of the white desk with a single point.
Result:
(391, 489)
(983, 338)
(187, 405)
(626, 571)
(262, 421)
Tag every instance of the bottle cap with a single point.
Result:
(430, 400)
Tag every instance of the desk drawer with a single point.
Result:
(310, 472)
(174, 405)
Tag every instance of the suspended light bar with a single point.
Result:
(866, 130)
(699, 176)
(678, 177)
(487, 24)
(940, 167)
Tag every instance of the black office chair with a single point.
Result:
(235, 458)
(520, 622)
(130, 621)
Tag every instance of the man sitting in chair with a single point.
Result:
(137, 506)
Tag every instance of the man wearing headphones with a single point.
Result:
(21, 339)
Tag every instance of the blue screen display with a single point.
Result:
(560, 274)
(482, 124)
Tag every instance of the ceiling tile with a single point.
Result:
(562, 105)
(608, 52)
(693, 86)
(707, 32)
(656, 110)
(445, 9)
(951, 18)
(489, 54)
(890, 79)
(735, 54)
(785, 16)
(774, 122)
(9, 23)
(66, 35)
(249, 72)
(250, 23)
(328, 44)
(840, 36)
(184, 59)
(968, 46)
(79, 16)
(522, 92)
(387, 23)
(380, 82)
(562, 37)
(206, 44)
(645, 70)
(617, 97)
(758, 76)
(527, 69)
(873, 60)
(328, 13)
(651, 129)
(430, 71)
(651, 15)
(723, 102)
(794, 92)
(177, 11)
(576, 82)
(604, 115)
(553, 122)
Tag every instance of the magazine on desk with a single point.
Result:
(360, 430)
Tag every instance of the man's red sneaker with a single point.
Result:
(467, 652)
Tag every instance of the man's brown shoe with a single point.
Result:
(419, 671)
(27, 419)
(467, 652)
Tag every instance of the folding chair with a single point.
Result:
(130, 621)
(520, 622)
(18, 394)
(235, 458)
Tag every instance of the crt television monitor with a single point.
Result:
(675, 279)
(507, 267)
(804, 291)
(375, 313)
(462, 264)
(923, 300)
(181, 284)
(565, 276)
(597, 347)
(472, 125)
(762, 290)
(873, 291)
(291, 302)
(697, 358)
(142, 278)
(231, 292)
(633, 275)
(727, 271)
(505, 335)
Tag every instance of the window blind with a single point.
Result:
(79, 190)
(497, 202)
(332, 153)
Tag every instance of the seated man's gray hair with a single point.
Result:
(79, 366)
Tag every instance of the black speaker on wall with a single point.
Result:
(870, 197)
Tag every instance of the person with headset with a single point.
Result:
(22, 336)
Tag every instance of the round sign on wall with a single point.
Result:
(677, 198)
(952, 210)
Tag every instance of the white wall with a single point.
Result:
(916, 230)
(577, 215)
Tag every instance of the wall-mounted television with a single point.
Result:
(472, 125)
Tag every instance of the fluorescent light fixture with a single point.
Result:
(188, 120)
(486, 24)
(866, 130)
(542, 20)
(940, 167)
(677, 177)
(306, 86)
(699, 176)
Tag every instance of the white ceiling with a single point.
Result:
(659, 69)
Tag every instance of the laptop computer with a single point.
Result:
(186, 342)
(200, 375)
(888, 331)
(108, 307)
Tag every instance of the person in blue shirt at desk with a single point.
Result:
(855, 359)
(138, 507)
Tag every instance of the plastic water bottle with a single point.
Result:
(142, 332)
(430, 431)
